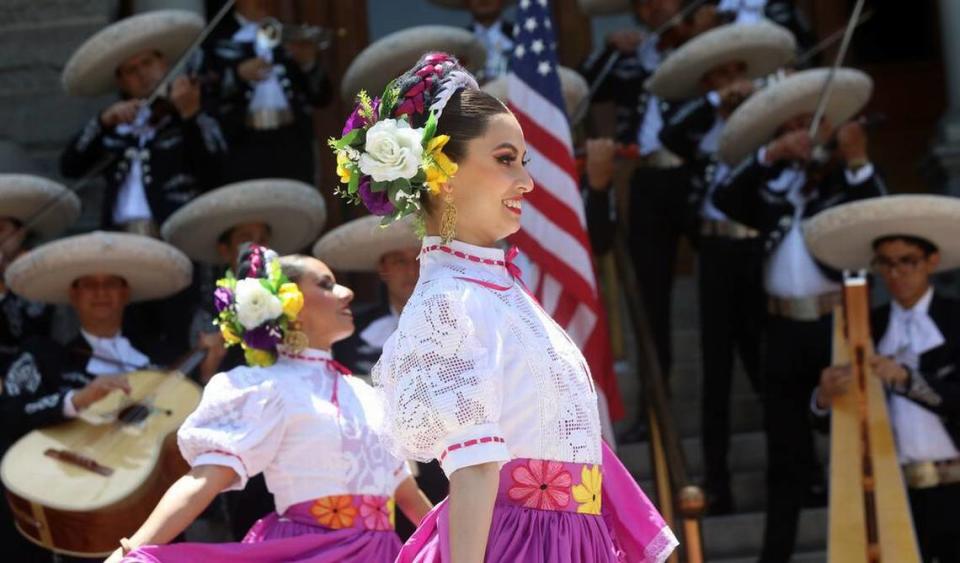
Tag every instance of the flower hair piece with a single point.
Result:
(385, 161)
(259, 308)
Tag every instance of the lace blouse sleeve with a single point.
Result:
(238, 424)
(441, 380)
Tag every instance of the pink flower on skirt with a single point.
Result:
(375, 512)
(541, 484)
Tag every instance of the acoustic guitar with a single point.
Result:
(78, 487)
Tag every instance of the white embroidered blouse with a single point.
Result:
(478, 372)
(312, 430)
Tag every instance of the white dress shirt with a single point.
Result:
(376, 333)
(132, 204)
(497, 45)
(311, 430)
(267, 93)
(108, 356)
(478, 372)
(920, 434)
(748, 11)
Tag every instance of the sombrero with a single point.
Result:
(91, 69)
(394, 54)
(47, 206)
(294, 211)
(756, 121)
(574, 87)
(358, 245)
(604, 7)
(842, 236)
(153, 269)
(763, 46)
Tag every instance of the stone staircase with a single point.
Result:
(734, 538)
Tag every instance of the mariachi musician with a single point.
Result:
(97, 274)
(773, 188)
(264, 90)
(906, 239)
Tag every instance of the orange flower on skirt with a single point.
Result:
(334, 512)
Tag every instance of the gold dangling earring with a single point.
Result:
(448, 221)
(295, 340)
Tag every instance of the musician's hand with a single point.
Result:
(790, 146)
(254, 69)
(185, 96)
(852, 142)
(98, 389)
(889, 371)
(600, 154)
(704, 19)
(834, 381)
(120, 112)
(625, 40)
(733, 94)
(304, 52)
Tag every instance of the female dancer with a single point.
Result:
(299, 417)
(477, 375)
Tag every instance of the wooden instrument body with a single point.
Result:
(851, 518)
(70, 509)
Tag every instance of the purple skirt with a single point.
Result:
(557, 512)
(358, 530)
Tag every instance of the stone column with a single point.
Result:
(946, 151)
(140, 6)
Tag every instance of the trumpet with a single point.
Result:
(272, 33)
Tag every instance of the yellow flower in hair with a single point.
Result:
(229, 336)
(440, 168)
(257, 357)
(292, 300)
(342, 161)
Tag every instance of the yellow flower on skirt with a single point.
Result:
(292, 300)
(334, 512)
(587, 493)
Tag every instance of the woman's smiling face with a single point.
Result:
(490, 183)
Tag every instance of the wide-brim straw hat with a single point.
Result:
(842, 237)
(153, 269)
(573, 85)
(763, 46)
(604, 7)
(294, 211)
(394, 54)
(91, 70)
(357, 246)
(757, 119)
(46, 207)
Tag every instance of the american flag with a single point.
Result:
(553, 234)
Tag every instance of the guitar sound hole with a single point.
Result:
(134, 414)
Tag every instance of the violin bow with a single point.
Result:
(109, 158)
(612, 59)
(828, 83)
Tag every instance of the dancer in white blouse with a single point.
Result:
(311, 428)
(477, 375)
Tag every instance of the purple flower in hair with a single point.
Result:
(222, 299)
(356, 120)
(376, 202)
(264, 337)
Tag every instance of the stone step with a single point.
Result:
(741, 535)
(746, 415)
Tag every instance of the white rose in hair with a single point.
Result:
(256, 305)
(392, 151)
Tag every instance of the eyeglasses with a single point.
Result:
(903, 265)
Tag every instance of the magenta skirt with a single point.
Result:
(346, 528)
(558, 512)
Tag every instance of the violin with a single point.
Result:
(702, 19)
